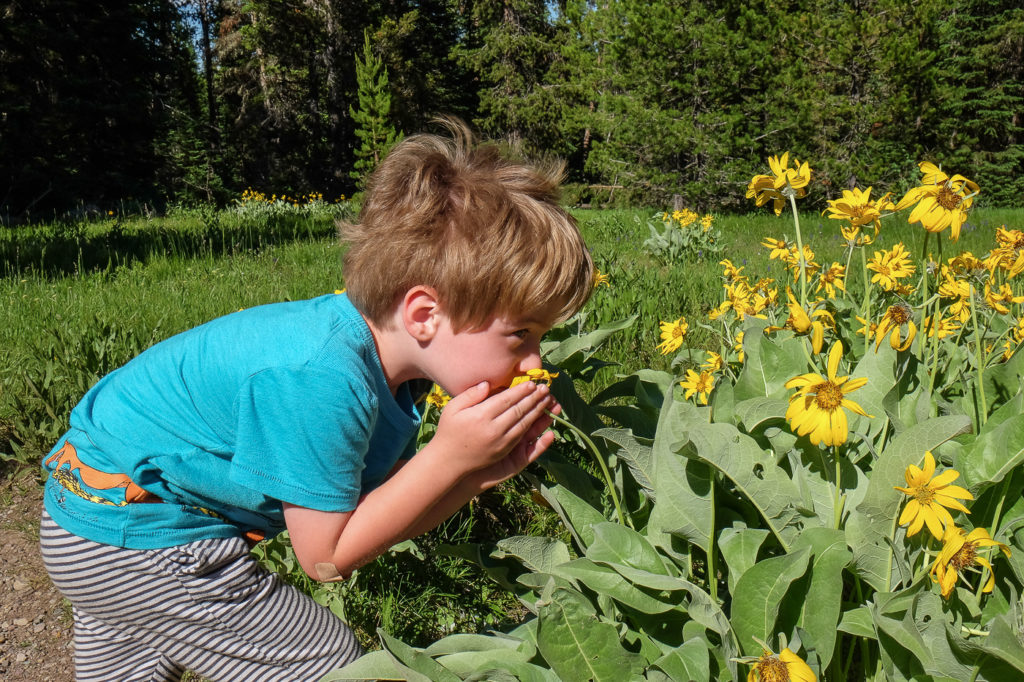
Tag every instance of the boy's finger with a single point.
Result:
(471, 396)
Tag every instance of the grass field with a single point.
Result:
(79, 299)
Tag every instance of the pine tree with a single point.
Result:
(373, 126)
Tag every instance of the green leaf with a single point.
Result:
(755, 411)
(617, 545)
(488, 665)
(539, 554)
(858, 623)
(606, 581)
(376, 665)
(753, 471)
(768, 365)
(636, 452)
(687, 662)
(822, 603)
(739, 548)
(997, 451)
(573, 350)
(759, 595)
(577, 645)
(424, 666)
(872, 521)
(577, 515)
(682, 487)
(459, 643)
(877, 368)
(1003, 643)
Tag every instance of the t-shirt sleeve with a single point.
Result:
(303, 435)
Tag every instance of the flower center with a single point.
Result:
(964, 557)
(828, 396)
(772, 669)
(900, 313)
(947, 198)
(923, 494)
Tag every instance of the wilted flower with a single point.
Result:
(701, 384)
(817, 408)
(959, 553)
(929, 497)
(899, 319)
(538, 376)
(942, 201)
(672, 334)
(600, 278)
(803, 323)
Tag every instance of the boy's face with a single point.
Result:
(500, 350)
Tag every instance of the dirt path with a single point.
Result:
(35, 623)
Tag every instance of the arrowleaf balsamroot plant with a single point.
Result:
(771, 499)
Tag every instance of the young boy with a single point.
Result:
(299, 415)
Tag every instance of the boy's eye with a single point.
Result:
(521, 333)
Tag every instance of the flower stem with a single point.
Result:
(935, 335)
(979, 353)
(601, 463)
(867, 301)
(840, 499)
(800, 249)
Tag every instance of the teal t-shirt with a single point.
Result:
(283, 402)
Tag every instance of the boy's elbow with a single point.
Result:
(327, 572)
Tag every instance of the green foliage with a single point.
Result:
(680, 239)
(372, 119)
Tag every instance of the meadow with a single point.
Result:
(580, 539)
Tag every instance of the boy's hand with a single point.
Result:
(495, 437)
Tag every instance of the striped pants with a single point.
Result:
(205, 606)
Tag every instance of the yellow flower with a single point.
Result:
(778, 247)
(600, 279)
(786, 667)
(339, 291)
(890, 266)
(947, 326)
(1009, 255)
(701, 384)
(856, 207)
(677, 216)
(832, 279)
(929, 497)
(793, 261)
(960, 552)
(714, 362)
(706, 221)
(738, 346)
(898, 318)
(942, 201)
(539, 376)
(731, 271)
(802, 323)
(783, 181)
(817, 408)
(672, 334)
(437, 397)
(998, 299)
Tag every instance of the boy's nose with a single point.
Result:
(531, 361)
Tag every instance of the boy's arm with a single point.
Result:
(480, 441)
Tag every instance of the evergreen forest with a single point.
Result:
(157, 102)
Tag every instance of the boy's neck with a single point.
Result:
(390, 345)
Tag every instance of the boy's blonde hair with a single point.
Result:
(485, 232)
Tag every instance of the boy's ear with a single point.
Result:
(421, 312)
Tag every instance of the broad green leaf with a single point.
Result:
(877, 368)
(682, 487)
(687, 662)
(754, 412)
(918, 625)
(759, 594)
(752, 470)
(822, 604)
(376, 665)
(636, 452)
(577, 515)
(561, 353)
(539, 554)
(577, 645)
(606, 581)
(489, 665)
(769, 364)
(426, 668)
(739, 548)
(858, 622)
(459, 643)
(1003, 643)
(997, 451)
(873, 520)
(617, 545)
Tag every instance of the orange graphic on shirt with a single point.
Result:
(97, 479)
